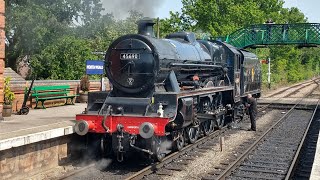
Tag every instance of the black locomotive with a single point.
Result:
(167, 90)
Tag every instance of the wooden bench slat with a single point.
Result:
(43, 93)
(46, 88)
(56, 97)
(49, 93)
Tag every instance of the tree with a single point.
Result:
(224, 17)
(64, 59)
(31, 25)
(292, 15)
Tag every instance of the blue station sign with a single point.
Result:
(94, 67)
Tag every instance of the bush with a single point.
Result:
(8, 94)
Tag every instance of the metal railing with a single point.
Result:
(303, 34)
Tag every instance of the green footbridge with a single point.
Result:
(261, 35)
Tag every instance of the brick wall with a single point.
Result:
(2, 51)
(26, 161)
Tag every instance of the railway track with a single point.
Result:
(273, 155)
(316, 81)
(181, 159)
(177, 161)
(185, 155)
(303, 162)
(302, 85)
(174, 162)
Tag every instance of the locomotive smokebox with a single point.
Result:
(145, 27)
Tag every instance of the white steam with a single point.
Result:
(121, 8)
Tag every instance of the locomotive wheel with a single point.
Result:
(207, 127)
(193, 134)
(159, 154)
(157, 149)
(220, 121)
(179, 143)
(214, 124)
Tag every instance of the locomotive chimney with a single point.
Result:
(145, 27)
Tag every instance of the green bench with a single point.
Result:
(43, 93)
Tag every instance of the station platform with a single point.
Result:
(315, 172)
(38, 125)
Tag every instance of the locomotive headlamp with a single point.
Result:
(82, 127)
(146, 130)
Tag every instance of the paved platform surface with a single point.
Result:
(315, 173)
(38, 125)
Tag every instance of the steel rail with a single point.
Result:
(297, 154)
(152, 168)
(298, 89)
(266, 106)
(294, 86)
(240, 159)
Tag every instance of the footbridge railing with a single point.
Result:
(305, 34)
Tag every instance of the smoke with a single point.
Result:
(103, 164)
(166, 146)
(121, 8)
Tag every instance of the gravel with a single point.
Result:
(278, 147)
(304, 91)
(204, 164)
(287, 90)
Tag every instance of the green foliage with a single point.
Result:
(63, 59)
(222, 17)
(31, 25)
(290, 64)
(8, 94)
(60, 35)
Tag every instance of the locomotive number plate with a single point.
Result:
(129, 56)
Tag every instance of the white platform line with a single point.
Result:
(36, 137)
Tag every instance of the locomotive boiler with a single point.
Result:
(167, 92)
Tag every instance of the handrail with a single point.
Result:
(301, 34)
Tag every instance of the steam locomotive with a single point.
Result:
(167, 92)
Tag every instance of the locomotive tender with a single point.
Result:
(167, 92)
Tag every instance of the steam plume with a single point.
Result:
(120, 8)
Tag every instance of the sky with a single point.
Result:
(167, 6)
(309, 7)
